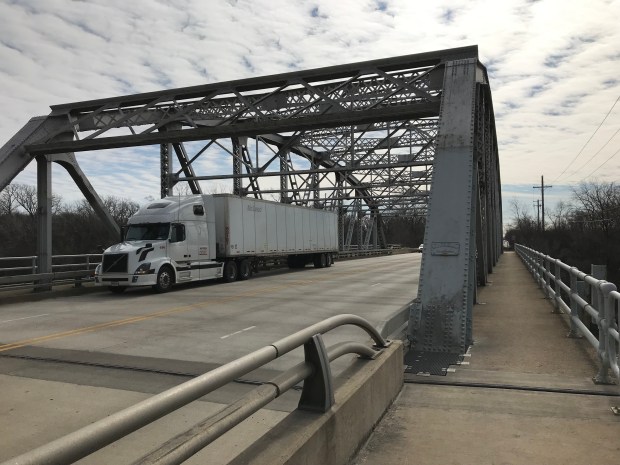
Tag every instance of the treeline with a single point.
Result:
(407, 231)
(76, 229)
(581, 232)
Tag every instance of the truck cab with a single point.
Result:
(166, 242)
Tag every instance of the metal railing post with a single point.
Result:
(318, 392)
(34, 265)
(601, 290)
(557, 279)
(540, 271)
(574, 306)
(612, 336)
(538, 267)
(547, 276)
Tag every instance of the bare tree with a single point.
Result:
(120, 209)
(560, 215)
(26, 198)
(598, 204)
(8, 200)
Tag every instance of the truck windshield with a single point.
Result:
(147, 232)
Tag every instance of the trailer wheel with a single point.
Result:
(330, 260)
(165, 279)
(230, 271)
(245, 270)
(116, 289)
(320, 260)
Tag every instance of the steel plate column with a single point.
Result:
(44, 219)
(442, 311)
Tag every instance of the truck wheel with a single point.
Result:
(245, 270)
(230, 271)
(117, 289)
(330, 260)
(319, 260)
(165, 279)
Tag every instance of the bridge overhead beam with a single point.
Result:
(458, 214)
(13, 155)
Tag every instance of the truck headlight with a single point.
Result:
(145, 268)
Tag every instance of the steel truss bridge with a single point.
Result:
(410, 135)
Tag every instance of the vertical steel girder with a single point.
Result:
(464, 192)
(44, 219)
(166, 182)
(237, 163)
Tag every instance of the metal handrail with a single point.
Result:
(95, 436)
(11, 278)
(603, 309)
(188, 443)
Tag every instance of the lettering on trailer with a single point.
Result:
(203, 251)
(254, 208)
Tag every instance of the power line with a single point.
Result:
(598, 151)
(588, 141)
(601, 165)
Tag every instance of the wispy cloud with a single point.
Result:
(554, 65)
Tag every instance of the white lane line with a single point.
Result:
(24, 318)
(376, 284)
(238, 332)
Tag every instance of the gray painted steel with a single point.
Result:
(458, 225)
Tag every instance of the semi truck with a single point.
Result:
(198, 237)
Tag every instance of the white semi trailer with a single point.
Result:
(199, 237)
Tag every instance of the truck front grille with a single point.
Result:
(114, 263)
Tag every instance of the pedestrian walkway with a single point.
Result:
(524, 394)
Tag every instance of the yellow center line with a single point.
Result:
(185, 308)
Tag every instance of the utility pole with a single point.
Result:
(542, 188)
(537, 205)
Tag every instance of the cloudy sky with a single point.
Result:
(554, 67)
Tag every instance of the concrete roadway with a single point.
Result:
(93, 353)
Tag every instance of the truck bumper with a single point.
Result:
(126, 280)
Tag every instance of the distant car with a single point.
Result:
(421, 248)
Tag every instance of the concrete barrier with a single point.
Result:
(363, 393)
(395, 325)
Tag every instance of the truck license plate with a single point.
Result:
(114, 283)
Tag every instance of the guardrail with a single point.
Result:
(317, 395)
(363, 253)
(23, 272)
(550, 274)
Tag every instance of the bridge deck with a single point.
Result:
(525, 397)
